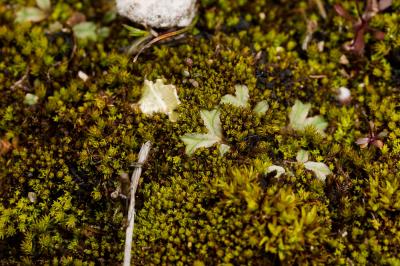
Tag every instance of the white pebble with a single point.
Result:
(158, 13)
(83, 76)
(344, 95)
(32, 197)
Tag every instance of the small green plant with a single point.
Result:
(212, 122)
(320, 170)
(85, 30)
(299, 121)
(135, 32)
(241, 99)
(361, 23)
(34, 14)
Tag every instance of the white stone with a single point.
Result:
(83, 76)
(158, 13)
(344, 95)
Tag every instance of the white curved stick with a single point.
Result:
(144, 152)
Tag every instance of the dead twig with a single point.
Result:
(163, 37)
(143, 154)
(19, 83)
(321, 8)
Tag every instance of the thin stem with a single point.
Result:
(165, 36)
(143, 154)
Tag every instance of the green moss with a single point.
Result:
(61, 158)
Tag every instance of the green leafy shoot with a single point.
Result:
(30, 14)
(321, 170)
(299, 121)
(44, 4)
(34, 14)
(240, 99)
(214, 135)
(159, 97)
(135, 32)
(85, 31)
(212, 122)
(223, 148)
(302, 156)
(31, 99)
(261, 108)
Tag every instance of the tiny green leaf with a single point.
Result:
(212, 122)
(302, 156)
(240, 99)
(103, 32)
(85, 30)
(135, 32)
(30, 14)
(299, 114)
(32, 197)
(214, 135)
(309, 216)
(261, 108)
(298, 118)
(158, 97)
(43, 4)
(110, 16)
(321, 170)
(318, 122)
(223, 148)
(31, 99)
(195, 141)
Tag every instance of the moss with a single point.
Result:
(61, 158)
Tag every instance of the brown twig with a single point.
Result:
(165, 36)
(19, 83)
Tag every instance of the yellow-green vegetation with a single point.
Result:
(66, 137)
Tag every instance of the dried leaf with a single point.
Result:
(384, 4)
(341, 11)
(76, 18)
(5, 146)
(321, 8)
(158, 97)
(358, 44)
(362, 141)
(378, 143)
(371, 9)
(379, 35)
